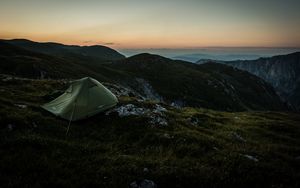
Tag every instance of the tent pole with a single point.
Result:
(71, 119)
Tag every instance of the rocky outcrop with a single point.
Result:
(156, 114)
(282, 72)
(148, 90)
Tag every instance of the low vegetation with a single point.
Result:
(214, 86)
(197, 148)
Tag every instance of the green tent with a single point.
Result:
(85, 97)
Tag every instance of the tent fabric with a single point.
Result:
(84, 98)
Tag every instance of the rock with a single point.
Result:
(166, 135)
(128, 110)
(145, 170)
(159, 109)
(143, 184)
(237, 118)
(157, 120)
(8, 78)
(156, 116)
(298, 158)
(148, 90)
(119, 91)
(251, 158)
(282, 72)
(23, 106)
(178, 104)
(237, 137)
(193, 120)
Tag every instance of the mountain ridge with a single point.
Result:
(216, 86)
(281, 71)
(86, 53)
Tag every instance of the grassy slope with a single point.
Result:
(95, 53)
(109, 151)
(21, 62)
(212, 86)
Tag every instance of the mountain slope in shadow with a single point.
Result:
(282, 72)
(214, 86)
(96, 53)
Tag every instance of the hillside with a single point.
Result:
(282, 72)
(181, 83)
(18, 61)
(212, 86)
(96, 53)
(194, 147)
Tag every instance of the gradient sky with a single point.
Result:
(154, 23)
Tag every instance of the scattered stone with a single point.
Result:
(193, 120)
(156, 116)
(216, 149)
(166, 135)
(251, 158)
(148, 90)
(123, 91)
(8, 78)
(237, 137)
(23, 106)
(145, 170)
(159, 109)
(157, 120)
(128, 110)
(178, 104)
(143, 184)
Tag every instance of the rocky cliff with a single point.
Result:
(282, 72)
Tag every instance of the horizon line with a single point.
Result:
(156, 48)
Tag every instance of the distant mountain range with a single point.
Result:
(225, 57)
(181, 83)
(282, 72)
(215, 53)
(95, 53)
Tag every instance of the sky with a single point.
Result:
(138, 24)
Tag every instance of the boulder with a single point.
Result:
(143, 184)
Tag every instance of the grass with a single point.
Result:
(214, 86)
(109, 151)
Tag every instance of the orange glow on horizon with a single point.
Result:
(148, 42)
(122, 24)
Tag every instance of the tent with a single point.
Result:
(85, 97)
